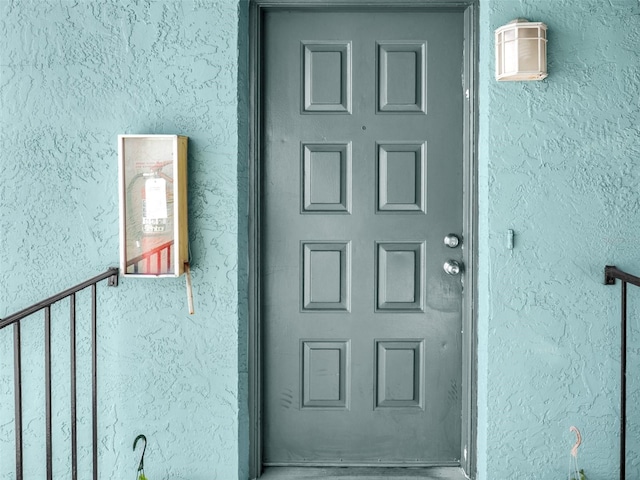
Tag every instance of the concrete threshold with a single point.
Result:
(363, 473)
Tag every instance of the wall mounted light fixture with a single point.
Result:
(521, 51)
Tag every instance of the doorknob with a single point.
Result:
(452, 240)
(452, 267)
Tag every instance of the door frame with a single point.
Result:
(257, 8)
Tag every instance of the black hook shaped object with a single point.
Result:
(135, 442)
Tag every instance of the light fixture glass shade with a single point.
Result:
(521, 51)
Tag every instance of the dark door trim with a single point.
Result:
(469, 89)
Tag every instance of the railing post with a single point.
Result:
(17, 381)
(73, 396)
(94, 377)
(623, 383)
(47, 376)
(611, 273)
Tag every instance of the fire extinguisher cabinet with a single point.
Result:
(153, 205)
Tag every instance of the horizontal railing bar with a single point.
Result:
(611, 273)
(16, 317)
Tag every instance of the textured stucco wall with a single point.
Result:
(559, 166)
(75, 74)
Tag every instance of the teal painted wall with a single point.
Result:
(557, 164)
(74, 75)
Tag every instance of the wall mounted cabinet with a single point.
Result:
(153, 205)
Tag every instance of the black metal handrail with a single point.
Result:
(15, 319)
(612, 273)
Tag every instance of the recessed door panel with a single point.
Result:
(401, 77)
(399, 374)
(325, 276)
(326, 176)
(400, 276)
(325, 367)
(327, 77)
(402, 177)
(361, 179)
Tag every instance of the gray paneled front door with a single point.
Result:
(362, 166)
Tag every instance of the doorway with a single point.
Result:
(363, 348)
